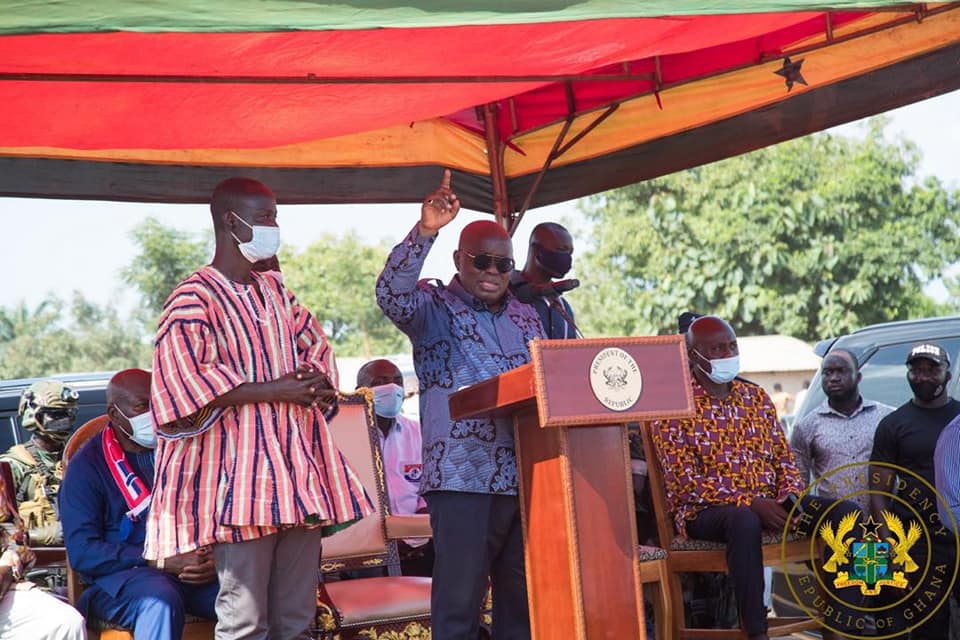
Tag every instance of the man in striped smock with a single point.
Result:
(256, 474)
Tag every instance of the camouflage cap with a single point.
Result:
(45, 394)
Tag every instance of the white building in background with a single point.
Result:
(767, 360)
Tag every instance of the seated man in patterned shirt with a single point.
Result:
(728, 472)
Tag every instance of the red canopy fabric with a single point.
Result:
(273, 101)
(365, 114)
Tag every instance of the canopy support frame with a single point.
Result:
(559, 148)
(498, 176)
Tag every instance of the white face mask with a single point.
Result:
(722, 370)
(142, 425)
(264, 241)
(387, 400)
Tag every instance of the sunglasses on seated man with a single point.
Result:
(484, 260)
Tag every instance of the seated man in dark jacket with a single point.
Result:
(104, 500)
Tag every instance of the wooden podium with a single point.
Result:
(570, 407)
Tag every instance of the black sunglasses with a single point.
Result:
(484, 260)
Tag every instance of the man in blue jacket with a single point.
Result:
(104, 500)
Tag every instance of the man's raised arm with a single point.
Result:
(397, 293)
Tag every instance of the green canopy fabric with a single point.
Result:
(76, 16)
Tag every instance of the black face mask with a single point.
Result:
(557, 263)
(927, 391)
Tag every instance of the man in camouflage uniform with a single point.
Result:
(48, 408)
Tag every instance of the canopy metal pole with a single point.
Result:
(559, 148)
(501, 203)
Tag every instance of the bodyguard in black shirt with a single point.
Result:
(907, 438)
(550, 256)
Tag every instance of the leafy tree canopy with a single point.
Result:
(166, 256)
(56, 337)
(811, 238)
(334, 277)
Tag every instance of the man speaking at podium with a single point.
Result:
(464, 332)
(550, 256)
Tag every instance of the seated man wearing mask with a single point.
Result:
(104, 501)
(400, 441)
(728, 472)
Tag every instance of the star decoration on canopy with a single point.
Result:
(791, 72)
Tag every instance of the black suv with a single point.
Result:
(92, 388)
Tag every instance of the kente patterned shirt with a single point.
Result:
(457, 341)
(733, 451)
(826, 439)
(247, 470)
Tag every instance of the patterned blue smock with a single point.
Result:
(457, 341)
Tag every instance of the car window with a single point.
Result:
(92, 405)
(8, 432)
(885, 375)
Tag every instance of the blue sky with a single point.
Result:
(60, 246)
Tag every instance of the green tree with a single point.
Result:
(810, 238)
(21, 320)
(166, 256)
(81, 336)
(334, 277)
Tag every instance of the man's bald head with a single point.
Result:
(126, 384)
(840, 377)
(475, 234)
(551, 253)
(713, 351)
(847, 355)
(379, 372)
(550, 234)
(128, 396)
(237, 194)
(706, 327)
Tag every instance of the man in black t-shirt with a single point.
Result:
(907, 438)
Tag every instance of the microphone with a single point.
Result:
(549, 292)
(557, 288)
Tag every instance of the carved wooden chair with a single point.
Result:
(686, 555)
(655, 572)
(386, 606)
(652, 561)
(195, 629)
